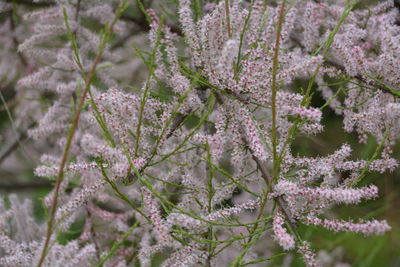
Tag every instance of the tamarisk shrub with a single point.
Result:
(196, 167)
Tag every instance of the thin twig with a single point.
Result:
(177, 121)
(295, 38)
(71, 133)
(274, 88)
(228, 18)
(175, 124)
(21, 57)
(21, 136)
(60, 174)
(268, 179)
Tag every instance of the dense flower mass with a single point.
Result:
(192, 162)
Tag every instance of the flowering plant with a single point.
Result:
(197, 166)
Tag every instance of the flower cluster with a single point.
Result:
(196, 163)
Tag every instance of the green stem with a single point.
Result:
(116, 245)
(274, 88)
(74, 125)
(210, 193)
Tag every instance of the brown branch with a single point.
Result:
(142, 23)
(64, 159)
(88, 81)
(175, 124)
(6, 151)
(274, 89)
(16, 42)
(77, 10)
(93, 234)
(295, 38)
(141, 26)
(268, 180)
(281, 202)
(242, 98)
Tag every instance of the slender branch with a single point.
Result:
(93, 234)
(64, 158)
(141, 111)
(228, 18)
(21, 57)
(268, 179)
(144, 26)
(116, 245)
(5, 152)
(71, 133)
(9, 104)
(274, 88)
(78, 8)
(296, 39)
(177, 121)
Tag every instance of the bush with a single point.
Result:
(189, 148)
